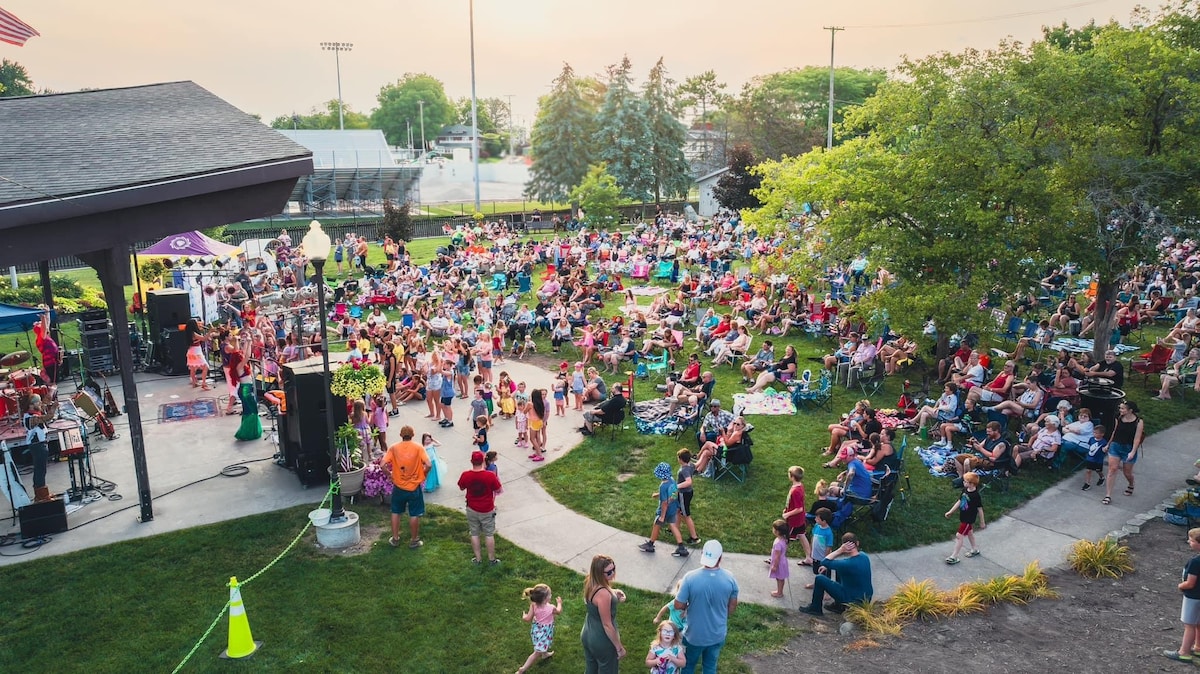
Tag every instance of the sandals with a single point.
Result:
(1106, 500)
(973, 553)
(952, 560)
(1129, 490)
(1174, 655)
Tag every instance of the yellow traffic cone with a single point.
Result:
(241, 643)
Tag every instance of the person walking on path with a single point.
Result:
(481, 486)
(602, 647)
(970, 507)
(1189, 615)
(709, 595)
(684, 483)
(1124, 447)
(667, 513)
(853, 583)
(409, 464)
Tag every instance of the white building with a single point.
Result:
(706, 183)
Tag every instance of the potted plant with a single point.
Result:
(357, 380)
(350, 463)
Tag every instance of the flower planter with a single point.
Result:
(352, 482)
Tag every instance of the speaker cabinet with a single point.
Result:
(173, 345)
(42, 519)
(307, 448)
(167, 308)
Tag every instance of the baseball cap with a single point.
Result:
(663, 470)
(477, 458)
(715, 402)
(712, 554)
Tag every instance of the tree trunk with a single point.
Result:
(943, 345)
(1103, 317)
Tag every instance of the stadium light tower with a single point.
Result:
(337, 48)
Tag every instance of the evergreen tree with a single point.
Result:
(735, 189)
(561, 139)
(672, 174)
(623, 138)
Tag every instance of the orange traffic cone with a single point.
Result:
(241, 643)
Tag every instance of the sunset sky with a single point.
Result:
(264, 56)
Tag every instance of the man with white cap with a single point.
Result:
(709, 595)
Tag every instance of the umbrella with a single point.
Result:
(190, 244)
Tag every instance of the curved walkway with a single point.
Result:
(1042, 529)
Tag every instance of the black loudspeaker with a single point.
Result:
(307, 449)
(41, 519)
(167, 308)
(173, 345)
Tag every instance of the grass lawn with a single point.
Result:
(148, 600)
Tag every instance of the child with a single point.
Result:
(560, 395)
(520, 395)
(433, 477)
(677, 616)
(667, 512)
(683, 484)
(540, 616)
(362, 423)
(528, 347)
(488, 396)
(379, 422)
(795, 513)
(822, 541)
(489, 464)
(1093, 462)
(969, 506)
(479, 405)
(522, 440)
(666, 651)
(577, 386)
(778, 560)
(481, 433)
(508, 405)
(1190, 614)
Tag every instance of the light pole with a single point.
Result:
(421, 105)
(316, 247)
(337, 48)
(474, 110)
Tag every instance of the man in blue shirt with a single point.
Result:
(854, 579)
(709, 595)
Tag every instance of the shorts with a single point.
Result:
(1189, 613)
(1121, 452)
(536, 424)
(685, 503)
(481, 524)
(446, 400)
(965, 528)
(989, 396)
(403, 499)
(462, 370)
(672, 514)
(485, 364)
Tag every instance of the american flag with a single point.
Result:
(14, 30)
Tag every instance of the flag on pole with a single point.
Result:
(14, 30)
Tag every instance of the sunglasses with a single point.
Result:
(610, 572)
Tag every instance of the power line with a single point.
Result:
(984, 19)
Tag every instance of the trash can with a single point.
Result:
(1103, 401)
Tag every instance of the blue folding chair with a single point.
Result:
(524, 284)
(499, 282)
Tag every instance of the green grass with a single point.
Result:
(140, 605)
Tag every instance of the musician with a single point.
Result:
(196, 361)
(52, 356)
(34, 420)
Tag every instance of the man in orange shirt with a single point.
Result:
(409, 464)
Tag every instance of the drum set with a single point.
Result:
(18, 386)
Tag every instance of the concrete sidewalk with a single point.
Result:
(1042, 529)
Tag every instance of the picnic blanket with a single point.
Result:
(648, 291)
(653, 417)
(934, 457)
(1080, 345)
(768, 402)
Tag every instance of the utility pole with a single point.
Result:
(421, 105)
(337, 48)
(511, 128)
(474, 110)
(829, 130)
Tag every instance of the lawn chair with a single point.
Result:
(649, 364)
(524, 284)
(499, 282)
(870, 380)
(614, 423)
(820, 397)
(665, 269)
(550, 273)
(734, 461)
(734, 356)
(640, 271)
(1153, 361)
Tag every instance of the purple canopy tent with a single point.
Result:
(190, 244)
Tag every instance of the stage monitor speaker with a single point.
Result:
(173, 345)
(167, 308)
(43, 519)
(307, 433)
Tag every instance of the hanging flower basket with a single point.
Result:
(357, 380)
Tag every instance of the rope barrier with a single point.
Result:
(225, 608)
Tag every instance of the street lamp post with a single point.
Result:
(421, 105)
(316, 247)
(337, 48)
(474, 110)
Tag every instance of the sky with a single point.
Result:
(264, 56)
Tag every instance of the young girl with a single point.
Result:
(666, 651)
(481, 433)
(522, 418)
(560, 396)
(540, 617)
(795, 514)
(673, 614)
(498, 343)
(379, 421)
(778, 561)
(488, 398)
(434, 478)
(362, 423)
(577, 386)
(490, 465)
(508, 404)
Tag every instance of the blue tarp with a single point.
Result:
(15, 318)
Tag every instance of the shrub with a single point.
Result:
(918, 599)
(999, 589)
(964, 599)
(1105, 558)
(874, 616)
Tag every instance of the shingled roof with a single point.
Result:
(118, 165)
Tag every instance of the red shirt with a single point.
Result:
(796, 502)
(481, 486)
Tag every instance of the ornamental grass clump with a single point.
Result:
(1105, 558)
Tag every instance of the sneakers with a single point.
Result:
(394, 542)
(648, 546)
(495, 562)
(681, 551)
(693, 541)
(416, 544)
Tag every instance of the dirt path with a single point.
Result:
(1096, 626)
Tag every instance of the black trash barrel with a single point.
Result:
(1103, 402)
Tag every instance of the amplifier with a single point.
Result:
(41, 519)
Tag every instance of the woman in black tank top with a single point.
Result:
(1124, 446)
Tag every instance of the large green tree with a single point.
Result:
(400, 105)
(598, 195)
(672, 175)
(561, 139)
(323, 119)
(15, 80)
(623, 138)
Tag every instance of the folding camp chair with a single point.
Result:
(734, 461)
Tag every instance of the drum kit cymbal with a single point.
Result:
(14, 359)
(15, 384)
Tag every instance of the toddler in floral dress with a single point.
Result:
(540, 616)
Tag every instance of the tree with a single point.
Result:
(326, 119)
(623, 137)
(397, 220)
(672, 175)
(705, 96)
(15, 80)
(493, 139)
(598, 195)
(400, 104)
(736, 189)
(561, 139)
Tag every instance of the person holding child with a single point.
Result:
(540, 616)
(970, 508)
(1189, 614)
